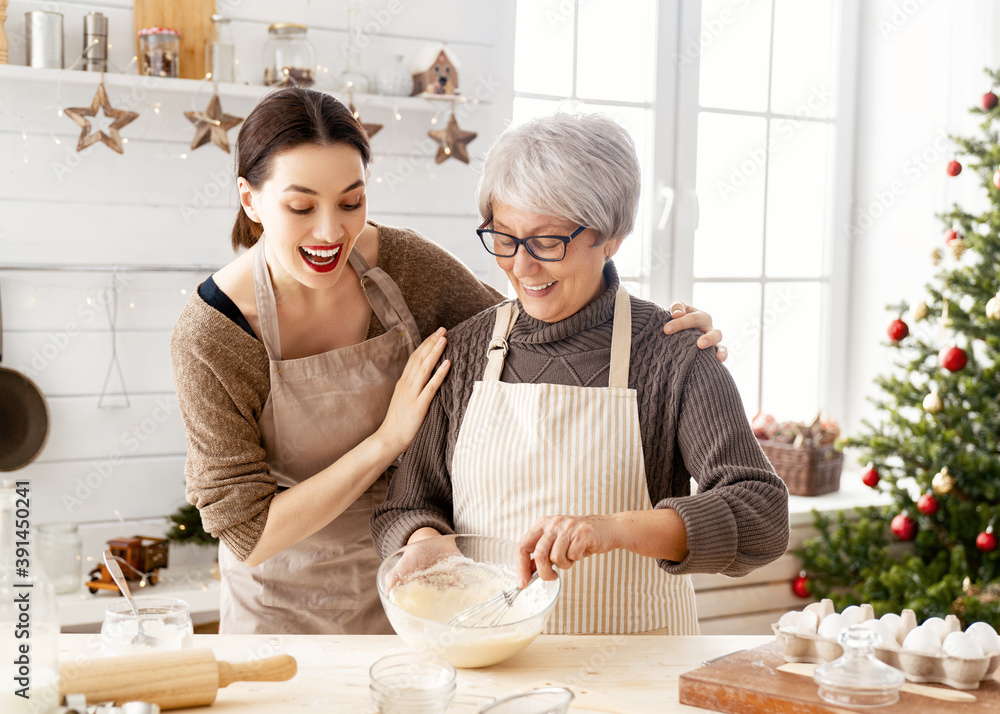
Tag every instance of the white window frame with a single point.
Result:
(675, 165)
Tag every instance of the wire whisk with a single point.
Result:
(489, 613)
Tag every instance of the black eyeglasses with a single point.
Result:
(551, 249)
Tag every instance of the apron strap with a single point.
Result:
(384, 296)
(267, 310)
(497, 351)
(621, 340)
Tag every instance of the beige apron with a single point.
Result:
(320, 408)
(531, 450)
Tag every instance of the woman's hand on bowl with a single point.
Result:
(688, 317)
(561, 541)
(424, 548)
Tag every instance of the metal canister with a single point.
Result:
(95, 42)
(43, 35)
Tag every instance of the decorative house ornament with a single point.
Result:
(435, 71)
(121, 118)
(453, 141)
(212, 125)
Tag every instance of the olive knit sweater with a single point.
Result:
(691, 420)
(222, 378)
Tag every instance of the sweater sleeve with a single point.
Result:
(219, 390)
(738, 519)
(420, 491)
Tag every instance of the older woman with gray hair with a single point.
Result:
(570, 422)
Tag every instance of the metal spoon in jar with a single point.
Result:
(116, 574)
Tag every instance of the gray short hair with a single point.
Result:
(581, 167)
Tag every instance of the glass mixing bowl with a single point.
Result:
(433, 562)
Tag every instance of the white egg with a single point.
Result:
(922, 639)
(985, 635)
(831, 626)
(962, 644)
(852, 613)
(886, 636)
(938, 626)
(894, 622)
(803, 623)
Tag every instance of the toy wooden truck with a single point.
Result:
(139, 557)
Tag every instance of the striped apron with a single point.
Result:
(530, 450)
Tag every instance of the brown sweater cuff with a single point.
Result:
(403, 525)
(242, 537)
(712, 536)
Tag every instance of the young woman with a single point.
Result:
(304, 368)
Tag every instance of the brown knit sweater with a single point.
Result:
(691, 420)
(221, 375)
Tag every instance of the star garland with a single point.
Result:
(122, 118)
(212, 125)
(370, 129)
(453, 141)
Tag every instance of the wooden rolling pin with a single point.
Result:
(176, 679)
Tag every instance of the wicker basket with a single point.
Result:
(806, 470)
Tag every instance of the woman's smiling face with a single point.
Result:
(312, 208)
(552, 291)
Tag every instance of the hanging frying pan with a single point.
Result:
(24, 417)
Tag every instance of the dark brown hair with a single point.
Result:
(283, 120)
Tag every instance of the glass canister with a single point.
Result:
(220, 53)
(160, 50)
(289, 59)
(61, 553)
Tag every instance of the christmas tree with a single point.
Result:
(936, 450)
(187, 527)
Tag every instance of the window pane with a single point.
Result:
(792, 362)
(730, 185)
(799, 197)
(616, 54)
(806, 35)
(543, 47)
(735, 309)
(734, 49)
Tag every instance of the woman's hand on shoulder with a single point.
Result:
(688, 317)
(413, 393)
(561, 541)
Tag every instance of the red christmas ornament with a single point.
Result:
(986, 541)
(988, 101)
(927, 504)
(898, 330)
(954, 168)
(800, 586)
(952, 358)
(903, 527)
(951, 235)
(870, 477)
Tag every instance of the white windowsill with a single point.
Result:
(852, 493)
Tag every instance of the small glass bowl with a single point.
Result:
(858, 678)
(412, 683)
(165, 624)
(548, 700)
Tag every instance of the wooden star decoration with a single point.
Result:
(370, 129)
(212, 125)
(121, 118)
(453, 141)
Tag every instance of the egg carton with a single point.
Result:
(956, 672)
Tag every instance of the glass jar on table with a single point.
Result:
(289, 58)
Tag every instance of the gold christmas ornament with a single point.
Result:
(942, 482)
(993, 307)
(121, 118)
(920, 310)
(452, 141)
(957, 248)
(933, 403)
(936, 256)
(212, 125)
(370, 129)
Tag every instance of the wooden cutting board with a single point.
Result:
(193, 18)
(749, 681)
